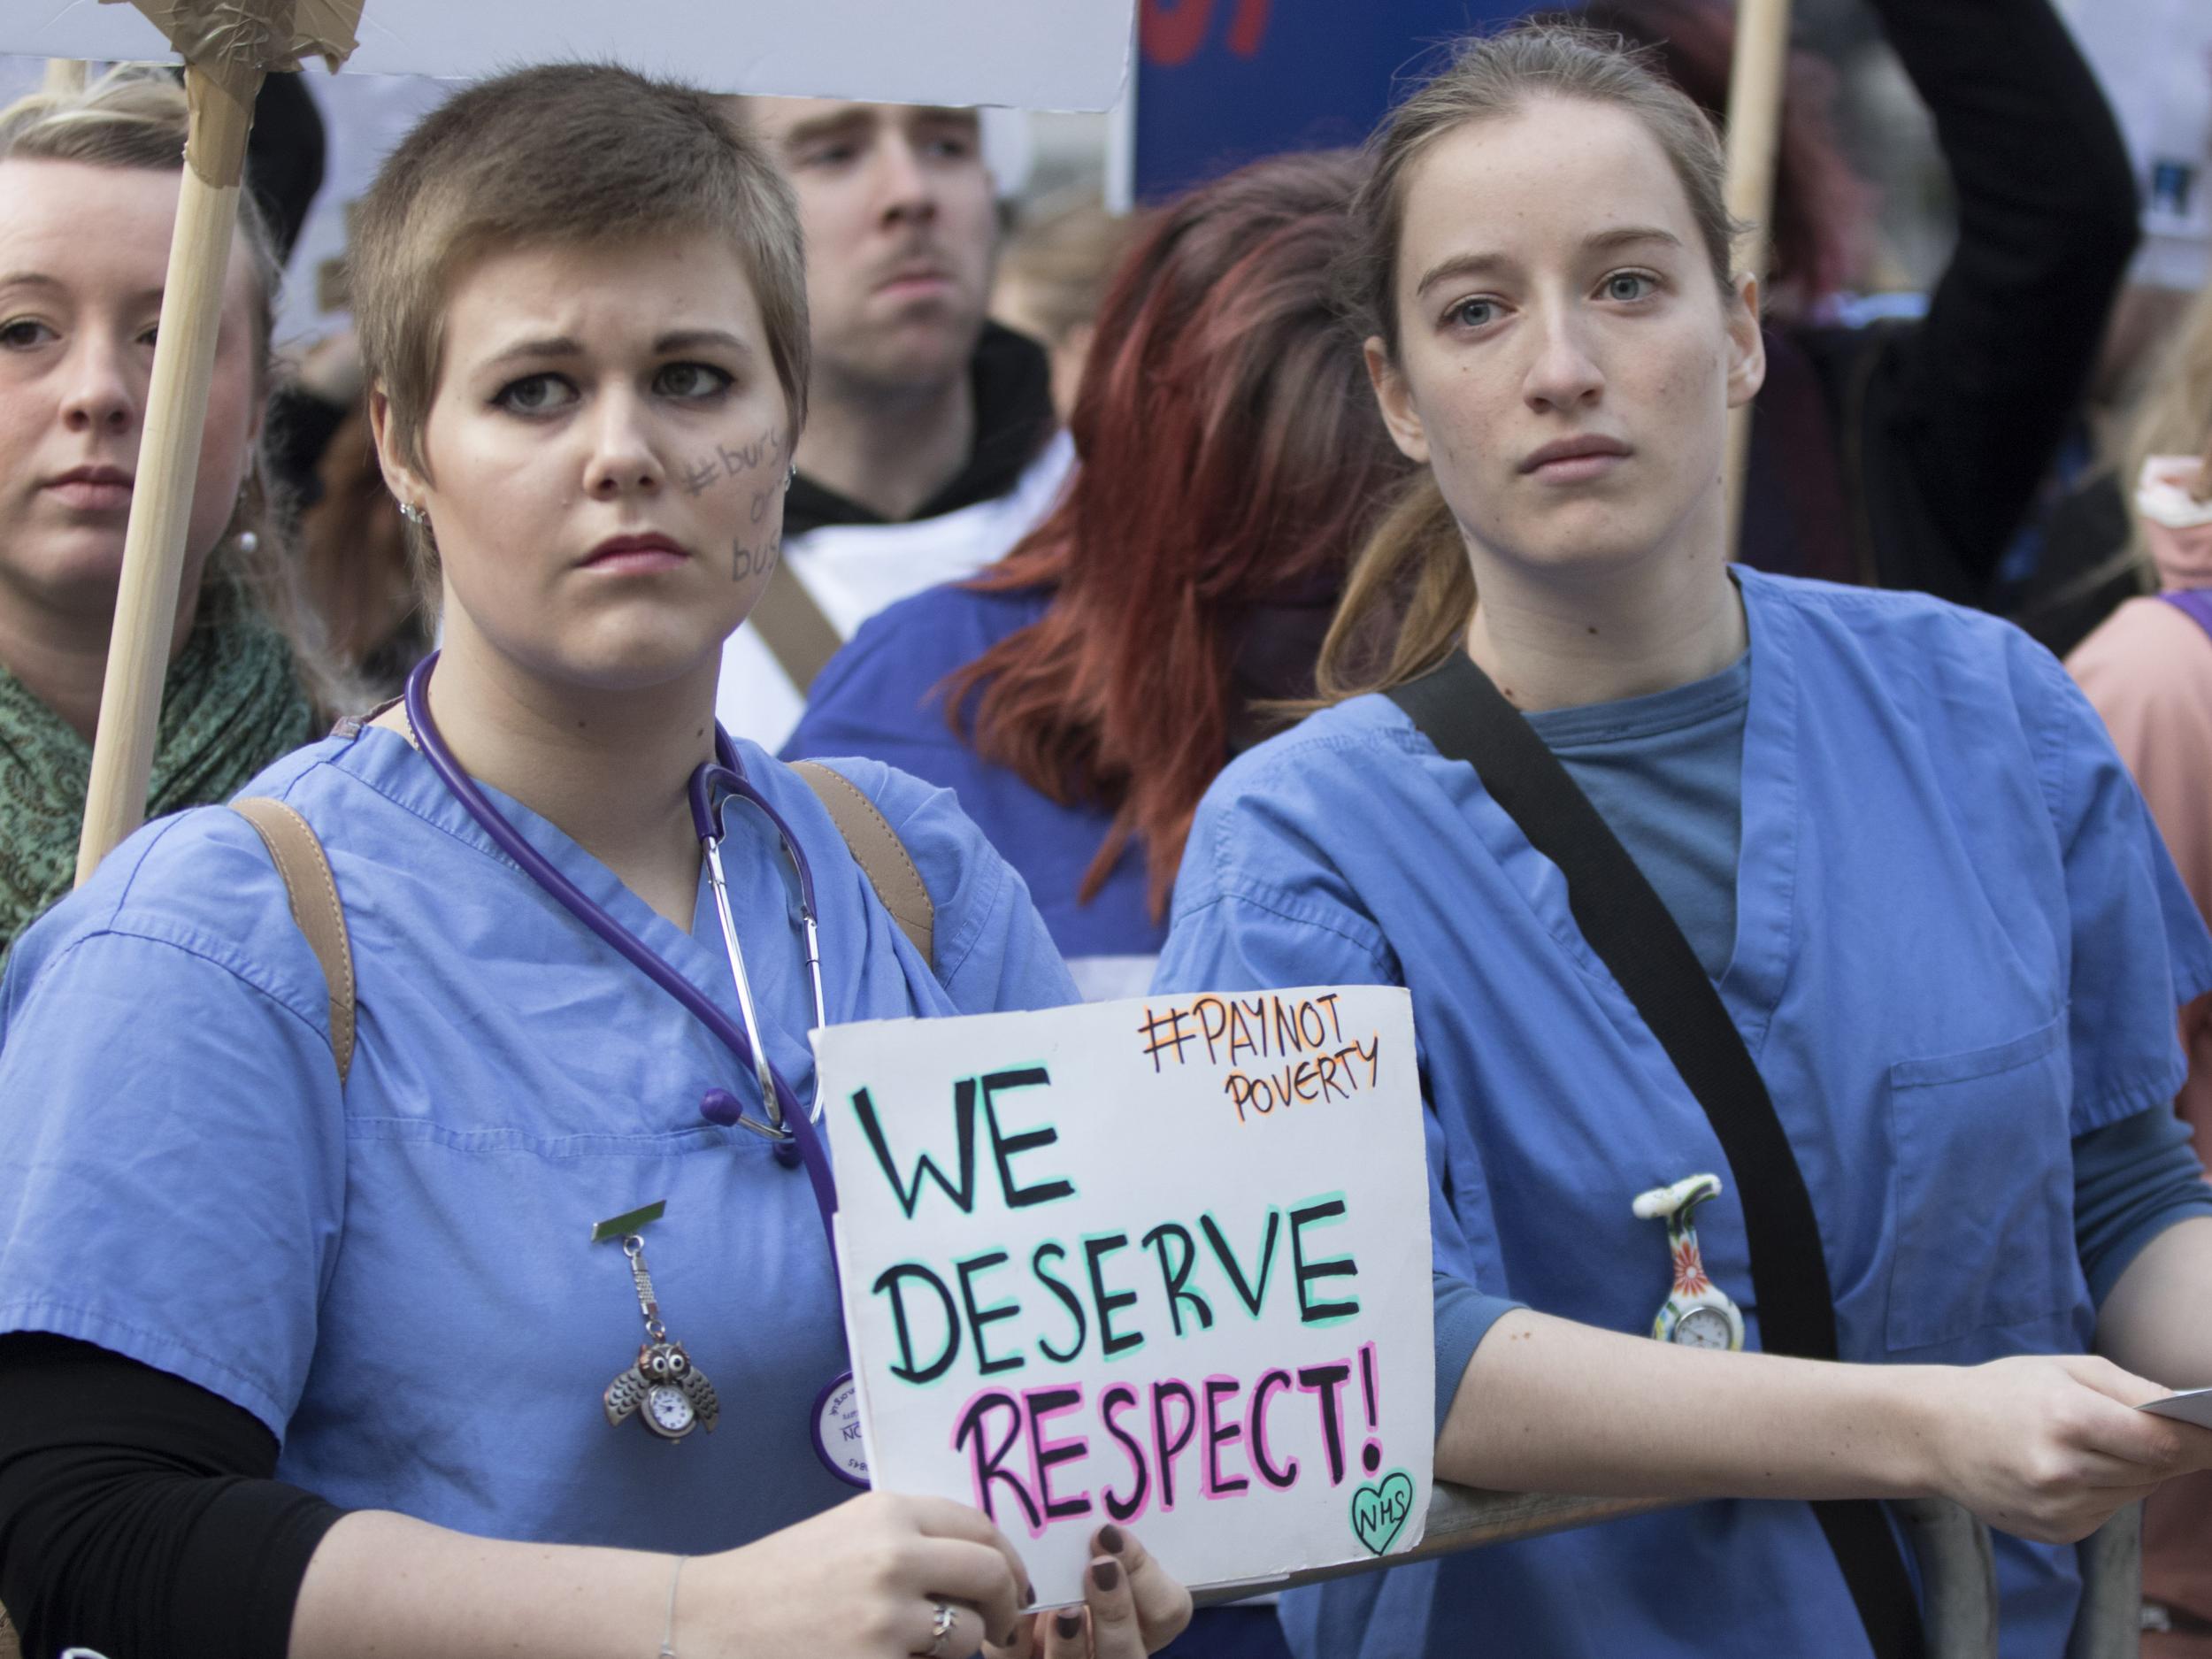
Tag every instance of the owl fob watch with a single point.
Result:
(670, 1395)
(1697, 1313)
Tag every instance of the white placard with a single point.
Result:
(1026, 54)
(2193, 1406)
(1163, 1262)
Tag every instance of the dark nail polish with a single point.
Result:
(1029, 1594)
(1106, 1574)
(1068, 1626)
(1110, 1539)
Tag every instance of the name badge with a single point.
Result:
(837, 1430)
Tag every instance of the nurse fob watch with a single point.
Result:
(1697, 1313)
(670, 1394)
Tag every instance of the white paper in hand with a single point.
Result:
(1163, 1263)
(2192, 1406)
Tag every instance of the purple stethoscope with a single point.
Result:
(790, 1126)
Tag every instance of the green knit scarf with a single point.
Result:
(230, 704)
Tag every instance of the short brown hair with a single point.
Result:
(1411, 593)
(563, 154)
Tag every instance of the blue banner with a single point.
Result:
(1222, 83)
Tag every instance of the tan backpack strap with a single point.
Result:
(880, 854)
(793, 626)
(299, 859)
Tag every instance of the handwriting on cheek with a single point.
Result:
(755, 561)
(702, 475)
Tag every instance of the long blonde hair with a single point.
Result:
(137, 118)
(2175, 415)
(1412, 593)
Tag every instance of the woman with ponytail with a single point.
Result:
(1828, 910)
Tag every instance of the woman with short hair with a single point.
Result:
(313, 1348)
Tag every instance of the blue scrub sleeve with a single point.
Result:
(2132, 1180)
(994, 953)
(2139, 948)
(1260, 938)
(881, 696)
(1463, 1318)
(171, 1138)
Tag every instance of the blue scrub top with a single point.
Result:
(398, 1278)
(1959, 944)
(880, 695)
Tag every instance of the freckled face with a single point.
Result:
(606, 450)
(1566, 356)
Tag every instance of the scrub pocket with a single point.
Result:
(1984, 1189)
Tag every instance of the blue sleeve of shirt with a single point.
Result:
(1232, 933)
(2132, 1180)
(172, 1135)
(883, 693)
(993, 951)
(878, 696)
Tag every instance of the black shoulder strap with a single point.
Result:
(1624, 922)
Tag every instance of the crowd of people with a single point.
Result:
(1335, 584)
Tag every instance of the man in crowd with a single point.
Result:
(930, 442)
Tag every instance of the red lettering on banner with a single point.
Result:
(1174, 30)
(1249, 27)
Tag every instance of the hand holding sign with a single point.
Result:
(1135, 1261)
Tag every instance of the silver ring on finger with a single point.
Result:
(940, 1627)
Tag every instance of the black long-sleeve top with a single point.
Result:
(1907, 454)
(138, 1512)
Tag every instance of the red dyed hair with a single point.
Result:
(1232, 456)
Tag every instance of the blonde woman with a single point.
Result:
(2149, 670)
(89, 184)
(1906, 950)
(311, 1348)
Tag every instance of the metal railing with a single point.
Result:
(1957, 1568)
(1957, 1565)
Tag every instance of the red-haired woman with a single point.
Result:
(1082, 693)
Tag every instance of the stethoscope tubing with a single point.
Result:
(795, 1122)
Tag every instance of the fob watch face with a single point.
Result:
(670, 1412)
(1701, 1327)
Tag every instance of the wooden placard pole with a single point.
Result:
(65, 75)
(168, 459)
(1755, 133)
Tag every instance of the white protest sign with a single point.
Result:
(2192, 1405)
(1028, 54)
(1162, 1262)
